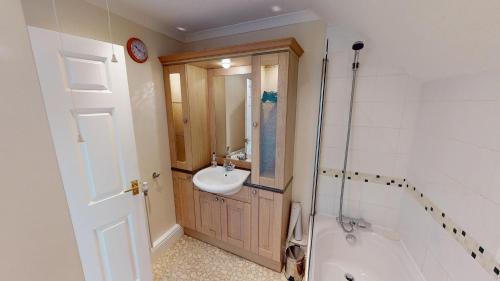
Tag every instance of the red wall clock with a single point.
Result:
(137, 50)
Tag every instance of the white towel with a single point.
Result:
(295, 224)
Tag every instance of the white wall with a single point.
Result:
(456, 163)
(384, 113)
(36, 236)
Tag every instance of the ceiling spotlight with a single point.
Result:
(276, 8)
(180, 28)
(226, 63)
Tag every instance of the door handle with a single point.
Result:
(134, 187)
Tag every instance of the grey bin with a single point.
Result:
(294, 267)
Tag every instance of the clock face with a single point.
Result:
(137, 50)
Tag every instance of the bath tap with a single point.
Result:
(357, 223)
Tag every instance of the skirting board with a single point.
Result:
(166, 240)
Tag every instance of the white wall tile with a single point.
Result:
(454, 160)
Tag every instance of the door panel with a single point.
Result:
(99, 149)
(88, 106)
(86, 73)
(177, 104)
(210, 212)
(235, 223)
(117, 253)
(265, 224)
(184, 199)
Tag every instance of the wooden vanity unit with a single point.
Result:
(244, 113)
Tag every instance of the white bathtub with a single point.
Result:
(372, 258)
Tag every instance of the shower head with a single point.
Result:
(358, 45)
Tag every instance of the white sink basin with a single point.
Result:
(218, 180)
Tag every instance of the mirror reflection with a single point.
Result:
(232, 95)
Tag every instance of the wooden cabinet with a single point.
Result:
(235, 223)
(224, 219)
(252, 223)
(187, 116)
(274, 78)
(184, 199)
(210, 215)
(270, 212)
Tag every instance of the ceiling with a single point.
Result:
(430, 39)
(197, 15)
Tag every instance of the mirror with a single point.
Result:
(232, 98)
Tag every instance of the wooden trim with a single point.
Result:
(211, 111)
(281, 128)
(273, 265)
(256, 77)
(237, 50)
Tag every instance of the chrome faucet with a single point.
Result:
(356, 223)
(228, 165)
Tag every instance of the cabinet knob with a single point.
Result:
(185, 120)
(222, 200)
(216, 198)
(254, 124)
(254, 192)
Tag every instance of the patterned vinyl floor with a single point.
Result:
(192, 260)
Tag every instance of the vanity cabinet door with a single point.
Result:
(235, 222)
(270, 114)
(177, 104)
(266, 224)
(184, 199)
(210, 215)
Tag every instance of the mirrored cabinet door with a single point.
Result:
(178, 115)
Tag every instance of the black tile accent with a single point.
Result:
(455, 230)
(348, 178)
(366, 180)
(378, 176)
(407, 185)
(356, 173)
(324, 172)
(426, 208)
(473, 255)
(404, 179)
(443, 215)
(444, 225)
(392, 181)
(481, 250)
(463, 233)
(432, 209)
(400, 185)
(414, 188)
(496, 270)
(421, 195)
(336, 176)
(388, 183)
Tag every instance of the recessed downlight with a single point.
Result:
(180, 28)
(276, 8)
(226, 63)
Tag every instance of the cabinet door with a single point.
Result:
(266, 224)
(269, 115)
(177, 104)
(210, 214)
(235, 223)
(184, 199)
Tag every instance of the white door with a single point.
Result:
(88, 107)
